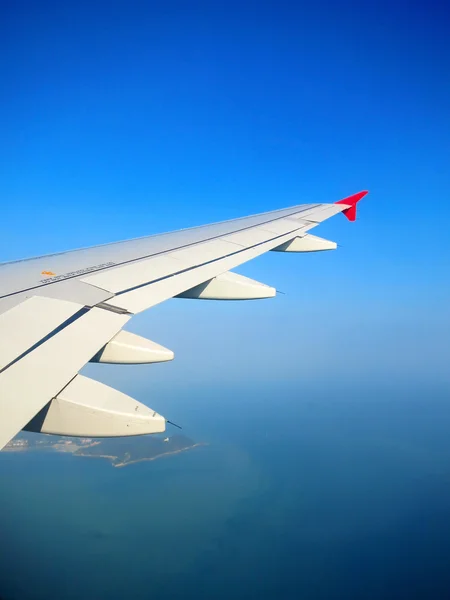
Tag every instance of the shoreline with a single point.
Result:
(131, 462)
(137, 460)
(115, 461)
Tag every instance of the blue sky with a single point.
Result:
(121, 119)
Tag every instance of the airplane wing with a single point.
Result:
(61, 311)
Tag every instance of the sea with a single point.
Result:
(300, 492)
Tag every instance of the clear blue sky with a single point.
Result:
(122, 119)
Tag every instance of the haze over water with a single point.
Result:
(319, 494)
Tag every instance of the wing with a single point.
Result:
(60, 311)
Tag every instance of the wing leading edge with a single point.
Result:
(61, 311)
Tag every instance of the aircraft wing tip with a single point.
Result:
(351, 202)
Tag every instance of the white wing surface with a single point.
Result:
(60, 311)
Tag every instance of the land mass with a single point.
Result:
(119, 451)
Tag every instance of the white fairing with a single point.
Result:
(89, 408)
(307, 243)
(130, 349)
(230, 286)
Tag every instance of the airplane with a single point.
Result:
(59, 312)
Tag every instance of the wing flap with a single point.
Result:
(137, 273)
(205, 252)
(28, 384)
(321, 213)
(248, 237)
(29, 322)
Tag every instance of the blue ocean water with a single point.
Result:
(299, 494)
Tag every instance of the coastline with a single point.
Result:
(145, 459)
(83, 450)
(131, 462)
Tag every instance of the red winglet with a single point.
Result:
(352, 201)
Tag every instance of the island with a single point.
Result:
(119, 451)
